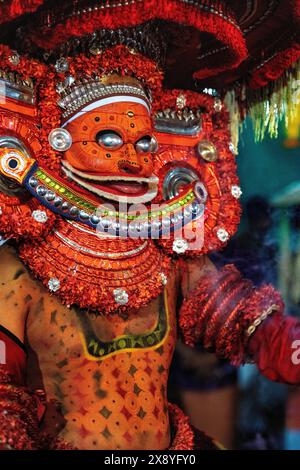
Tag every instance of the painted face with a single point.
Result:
(111, 152)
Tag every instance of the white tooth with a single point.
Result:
(86, 176)
(147, 197)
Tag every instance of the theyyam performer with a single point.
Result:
(118, 137)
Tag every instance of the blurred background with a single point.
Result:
(239, 407)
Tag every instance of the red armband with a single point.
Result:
(224, 311)
(13, 355)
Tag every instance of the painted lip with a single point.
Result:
(117, 188)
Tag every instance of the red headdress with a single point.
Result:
(225, 45)
(222, 40)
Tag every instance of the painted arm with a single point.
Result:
(18, 406)
(242, 323)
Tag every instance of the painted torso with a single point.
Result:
(118, 401)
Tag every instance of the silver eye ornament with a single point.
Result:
(200, 192)
(60, 139)
(109, 140)
(175, 179)
(146, 145)
(11, 164)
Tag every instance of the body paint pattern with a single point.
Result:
(96, 349)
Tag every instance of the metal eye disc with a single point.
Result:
(153, 144)
(109, 140)
(143, 145)
(147, 145)
(207, 151)
(60, 139)
(175, 179)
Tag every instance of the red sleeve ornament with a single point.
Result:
(240, 322)
(20, 409)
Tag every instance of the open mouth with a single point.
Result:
(117, 188)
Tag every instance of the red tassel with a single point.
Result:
(13, 8)
(273, 69)
(223, 28)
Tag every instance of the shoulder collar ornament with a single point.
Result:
(103, 275)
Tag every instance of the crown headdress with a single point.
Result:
(75, 94)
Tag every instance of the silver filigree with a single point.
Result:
(54, 284)
(14, 58)
(236, 191)
(74, 96)
(180, 246)
(120, 296)
(164, 279)
(39, 216)
(222, 235)
(62, 65)
(181, 101)
(218, 105)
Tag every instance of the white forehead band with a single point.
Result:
(105, 101)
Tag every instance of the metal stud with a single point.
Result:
(83, 215)
(65, 206)
(62, 65)
(39, 216)
(53, 284)
(181, 101)
(60, 139)
(95, 219)
(33, 182)
(120, 296)
(57, 201)
(222, 235)
(180, 246)
(207, 151)
(218, 105)
(164, 279)
(233, 148)
(74, 211)
(236, 191)
(200, 192)
(14, 58)
(41, 191)
(50, 196)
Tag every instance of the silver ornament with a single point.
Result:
(60, 139)
(53, 284)
(164, 279)
(39, 216)
(218, 105)
(120, 296)
(180, 246)
(14, 58)
(236, 191)
(62, 65)
(222, 235)
(181, 101)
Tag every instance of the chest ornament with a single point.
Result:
(105, 275)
